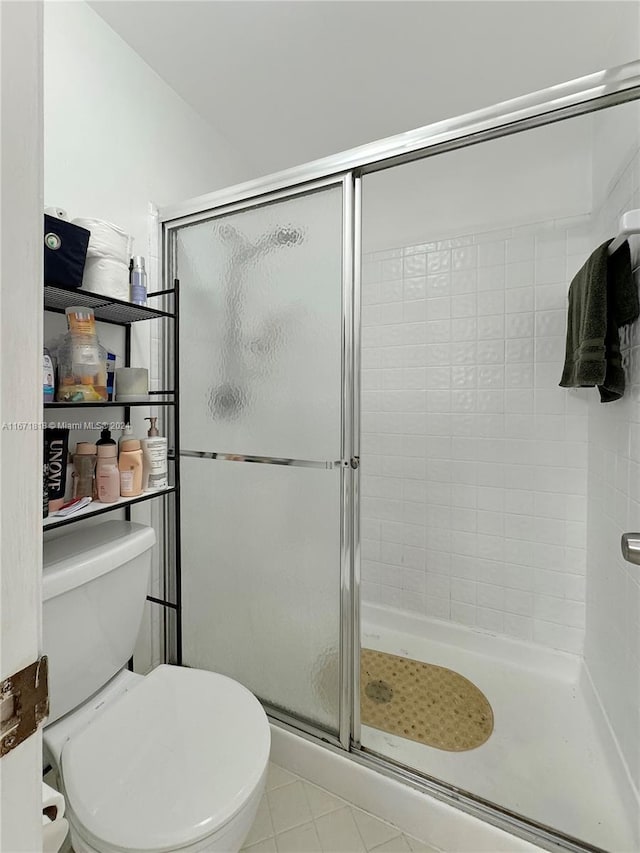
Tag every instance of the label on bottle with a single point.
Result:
(158, 481)
(48, 379)
(126, 482)
(138, 287)
(106, 491)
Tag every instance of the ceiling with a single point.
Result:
(288, 82)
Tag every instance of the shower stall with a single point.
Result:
(397, 530)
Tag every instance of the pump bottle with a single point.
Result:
(154, 449)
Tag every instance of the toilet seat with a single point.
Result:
(169, 763)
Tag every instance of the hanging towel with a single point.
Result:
(602, 297)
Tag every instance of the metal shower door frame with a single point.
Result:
(576, 97)
(349, 460)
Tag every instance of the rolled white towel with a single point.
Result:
(107, 240)
(107, 277)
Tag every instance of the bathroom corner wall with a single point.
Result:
(117, 137)
(612, 643)
(474, 461)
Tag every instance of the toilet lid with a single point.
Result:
(168, 763)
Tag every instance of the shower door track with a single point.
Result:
(574, 98)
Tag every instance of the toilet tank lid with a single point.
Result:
(76, 558)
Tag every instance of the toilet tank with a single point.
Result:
(94, 589)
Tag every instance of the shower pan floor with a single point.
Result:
(545, 758)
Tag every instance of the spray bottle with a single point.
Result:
(138, 293)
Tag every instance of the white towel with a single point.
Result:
(107, 240)
(107, 277)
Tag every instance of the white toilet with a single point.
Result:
(172, 761)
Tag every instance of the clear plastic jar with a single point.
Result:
(82, 361)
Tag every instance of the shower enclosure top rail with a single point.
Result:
(581, 95)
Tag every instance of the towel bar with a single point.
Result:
(630, 544)
(629, 226)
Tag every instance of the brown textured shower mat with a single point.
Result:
(422, 702)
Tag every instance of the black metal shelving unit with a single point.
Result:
(113, 404)
(97, 508)
(120, 313)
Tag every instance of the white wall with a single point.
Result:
(116, 137)
(473, 460)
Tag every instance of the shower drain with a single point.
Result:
(379, 692)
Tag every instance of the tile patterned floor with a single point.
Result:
(298, 817)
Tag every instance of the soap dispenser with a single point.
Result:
(105, 438)
(154, 449)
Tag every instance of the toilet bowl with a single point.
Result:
(173, 761)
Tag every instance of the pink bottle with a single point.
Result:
(107, 473)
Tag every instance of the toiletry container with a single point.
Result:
(111, 372)
(154, 451)
(105, 438)
(48, 377)
(127, 433)
(84, 473)
(82, 361)
(69, 481)
(130, 467)
(107, 473)
(132, 384)
(138, 282)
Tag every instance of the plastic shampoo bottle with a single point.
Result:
(107, 473)
(130, 467)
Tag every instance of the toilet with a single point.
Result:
(175, 760)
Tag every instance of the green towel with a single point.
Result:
(602, 297)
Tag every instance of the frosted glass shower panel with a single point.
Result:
(261, 581)
(261, 329)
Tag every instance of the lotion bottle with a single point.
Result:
(130, 467)
(107, 473)
(154, 449)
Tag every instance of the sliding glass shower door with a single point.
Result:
(261, 436)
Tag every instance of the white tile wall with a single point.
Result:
(612, 643)
(474, 469)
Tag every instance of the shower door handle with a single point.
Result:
(630, 544)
